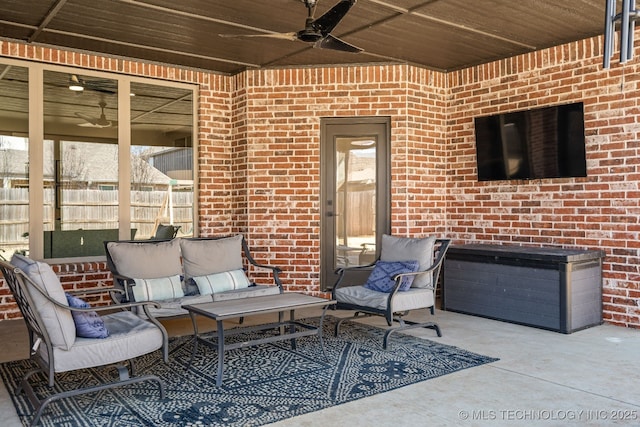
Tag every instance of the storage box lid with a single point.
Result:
(549, 254)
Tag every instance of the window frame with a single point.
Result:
(36, 138)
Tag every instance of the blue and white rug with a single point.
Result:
(261, 385)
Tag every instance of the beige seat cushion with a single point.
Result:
(413, 299)
(129, 337)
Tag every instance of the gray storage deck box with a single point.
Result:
(551, 288)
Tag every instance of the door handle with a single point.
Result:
(332, 214)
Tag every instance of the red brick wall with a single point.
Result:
(283, 112)
(599, 211)
(259, 156)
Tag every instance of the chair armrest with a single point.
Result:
(111, 307)
(112, 290)
(95, 290)
(344, 272)
(274, 270)
(269, 267)
(124, 283)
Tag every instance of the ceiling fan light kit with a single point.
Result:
(75, 84)
(316, 31)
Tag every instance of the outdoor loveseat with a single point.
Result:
(186, 271)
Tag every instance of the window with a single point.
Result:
(69, 196)
(14, 161)
(161, 159)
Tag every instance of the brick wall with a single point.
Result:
(283, 112)
(599, 211)
(259, 156)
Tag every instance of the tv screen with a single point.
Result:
(544, 142)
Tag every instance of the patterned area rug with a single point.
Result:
(261, 385)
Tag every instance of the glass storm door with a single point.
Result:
(355, 193)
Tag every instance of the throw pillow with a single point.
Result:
(401, 248)
(381, 277)
(221, 282)
(159, 289)
(88, 323)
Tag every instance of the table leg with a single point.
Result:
(280, 319)
(195, 338)
(292, 328)
(220, 353)
(324, 311)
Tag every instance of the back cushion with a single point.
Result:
(202, 257)
(408, 248)
(57, 321)
(148, 260)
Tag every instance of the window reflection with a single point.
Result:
(355, 201)
(80, 158)
(14, 161)
(81, 202)
(161, 161)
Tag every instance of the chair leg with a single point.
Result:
(407, 324)
(39, 405)
(355, 316)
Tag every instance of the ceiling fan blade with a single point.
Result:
(89, 119)
(327, 22)
(331, 42)
(94, 125)
(93, 122)
(281, 36)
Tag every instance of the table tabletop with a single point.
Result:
(227, 309)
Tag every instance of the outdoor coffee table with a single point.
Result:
(243, 307)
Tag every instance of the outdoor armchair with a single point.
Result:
(404, 278)
(65, 334)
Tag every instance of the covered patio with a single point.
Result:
(542, 378)
(252, 136)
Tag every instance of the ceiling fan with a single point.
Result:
(316, 31)
(95, 122)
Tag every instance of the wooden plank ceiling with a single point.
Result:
(442, 35)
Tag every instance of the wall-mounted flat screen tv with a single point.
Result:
(540, 143)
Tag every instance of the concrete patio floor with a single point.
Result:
(544, 378)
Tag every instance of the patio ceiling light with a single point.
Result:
(75, 84)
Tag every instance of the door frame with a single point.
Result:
(332, 126)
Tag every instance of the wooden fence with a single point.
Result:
(92, 210)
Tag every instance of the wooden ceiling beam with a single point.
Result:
(414, 12)
(47, 18)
